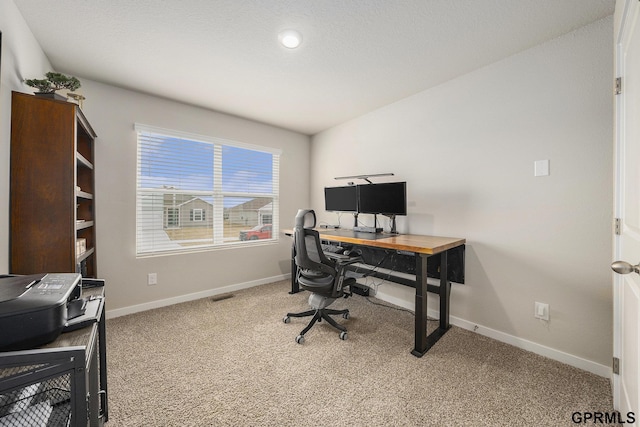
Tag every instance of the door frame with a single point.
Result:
(627, 10)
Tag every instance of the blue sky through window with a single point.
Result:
(246, 171)
(183, 164)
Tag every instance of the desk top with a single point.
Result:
(401, 242)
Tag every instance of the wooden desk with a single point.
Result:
(423, 247)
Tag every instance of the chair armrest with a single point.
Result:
(336, 257)
(347, 260)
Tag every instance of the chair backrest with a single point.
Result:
(308, 250)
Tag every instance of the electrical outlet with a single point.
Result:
(541, 311)
(152, 279)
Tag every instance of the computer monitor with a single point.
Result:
(341, 199)
(388, 198)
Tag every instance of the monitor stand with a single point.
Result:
(374, 229)
(393, 224)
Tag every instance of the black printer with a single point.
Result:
(35, 308)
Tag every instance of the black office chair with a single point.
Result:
(323, 277)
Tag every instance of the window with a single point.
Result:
(196, 192)
(197, 214)
(173, 217)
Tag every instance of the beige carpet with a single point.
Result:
(234, 362)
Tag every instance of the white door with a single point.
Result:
(627, 209)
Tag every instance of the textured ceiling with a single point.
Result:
(356, 55)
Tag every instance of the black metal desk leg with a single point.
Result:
(445, 292)
(424, 344)
(421, 306)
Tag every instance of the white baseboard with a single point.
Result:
(110, 314)
(560, 356)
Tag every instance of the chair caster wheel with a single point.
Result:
(343, 335)
(345, 315)
(300, 339)
(286, 319)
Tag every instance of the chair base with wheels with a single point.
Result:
(320, 312)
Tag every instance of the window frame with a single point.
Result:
(219, 213)
(197, 215)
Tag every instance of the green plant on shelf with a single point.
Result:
(54, 82)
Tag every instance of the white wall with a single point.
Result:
(22, 58)
(467, 150)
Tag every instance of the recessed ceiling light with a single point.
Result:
(290, 38)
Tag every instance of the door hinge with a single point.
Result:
(616, 226)
(616, 366)
(618, 85)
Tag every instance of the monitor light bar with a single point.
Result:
(365, 177)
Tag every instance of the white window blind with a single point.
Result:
(196, 192)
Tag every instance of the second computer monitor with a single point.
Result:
(341, 199)
(388, 198)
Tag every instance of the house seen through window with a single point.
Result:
(196, 192)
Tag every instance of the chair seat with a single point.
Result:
(317, 283)
(320, 287)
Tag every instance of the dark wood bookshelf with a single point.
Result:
(52, 202)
